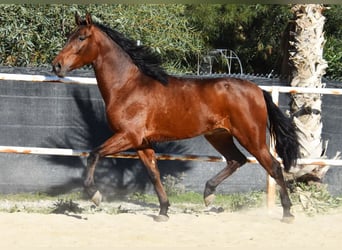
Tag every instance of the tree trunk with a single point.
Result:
(306, 57)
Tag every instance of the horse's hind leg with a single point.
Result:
(259, 149)
(273, 168)
(147, 156)
(277, 174)
(223, 142)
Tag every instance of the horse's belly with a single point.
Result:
(180, 128)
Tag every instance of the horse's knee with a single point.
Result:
(91, 164)
(92, 158)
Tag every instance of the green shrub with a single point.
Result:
(314, 198)
(31, 35)
(333, 55)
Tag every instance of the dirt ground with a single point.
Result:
(256, 228)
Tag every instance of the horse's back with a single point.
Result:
(230, 84)
(188, 107)
(217, 93)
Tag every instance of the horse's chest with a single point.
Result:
(120, 115)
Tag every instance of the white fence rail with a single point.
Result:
(92, 81)
(87, 80)
(42, 78)
(132, 155)
(275, 90)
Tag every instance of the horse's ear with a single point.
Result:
(89, 21)
(78, 19)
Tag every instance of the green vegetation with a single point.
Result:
(38, 202)
(308, 199)
(333, 46)
(314, 198)
(31, 35)
(229, 202)
(40, 196)
(254, 32)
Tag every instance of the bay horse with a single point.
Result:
(145, 105)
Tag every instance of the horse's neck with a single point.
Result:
(113, 69)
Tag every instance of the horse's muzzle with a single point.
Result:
(57, 69)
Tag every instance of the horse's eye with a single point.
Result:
(82, 38)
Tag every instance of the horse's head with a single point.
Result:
(79, 49)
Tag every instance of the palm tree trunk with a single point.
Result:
(306, 57)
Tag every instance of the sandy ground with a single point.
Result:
(256, 228)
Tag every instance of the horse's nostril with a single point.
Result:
(56, 67)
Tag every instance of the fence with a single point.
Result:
(275, 90)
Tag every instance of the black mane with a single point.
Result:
(142, 56)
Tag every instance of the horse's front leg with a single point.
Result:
(148, 157)
(89, 182)
(117, 143)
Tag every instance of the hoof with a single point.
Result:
(161, 218)
(97, 198)
(216, 210)
(209, 199)
(288, 219)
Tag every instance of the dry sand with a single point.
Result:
(256, 228)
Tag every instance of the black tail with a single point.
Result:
(283, 130)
